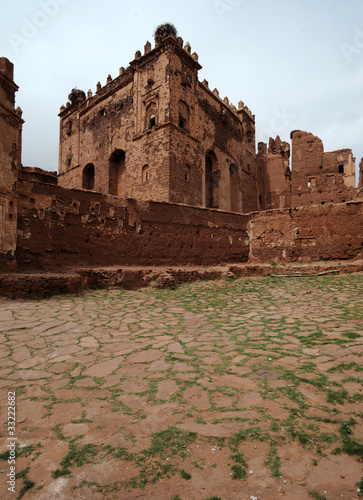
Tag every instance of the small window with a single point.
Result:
(341, 169)
(69, 128)
(69, 161)
(145, 173)
(183, 115)
(102, 112)
(151, 115)
(309, 183)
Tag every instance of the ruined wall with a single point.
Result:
(318, 177)
(274, 175)
(60, 228)
(10, 159)
(330, 232)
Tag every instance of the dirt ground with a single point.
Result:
(231, 390)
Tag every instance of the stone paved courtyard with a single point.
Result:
(215, 390)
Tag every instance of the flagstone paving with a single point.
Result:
(251, 388)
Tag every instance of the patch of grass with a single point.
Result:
(5, 456)
(58, 432)
(199, 464)
(76, 457)
(350, 446)
(83, 419)
(170, 442)
(90, 484)
(185, 475)
(29, 450)
(273, 462)
(27, 484)
(345, 366)
(239, 469)
(275, 427)
(238, 472)
(339, 396)
(351, 335)
(243, 434)
(239, 459)
(355, 398)
(200, 420)
(360, 487)
(316, 495)
(60, 472)
(300, 434)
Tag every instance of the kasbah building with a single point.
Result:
(156, 168)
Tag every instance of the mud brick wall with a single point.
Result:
(10, 159)
(319, 177)
(60, 228)
(330, 232)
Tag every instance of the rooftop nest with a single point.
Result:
(76, 94)
(164, 31)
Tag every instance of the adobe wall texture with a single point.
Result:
(10, 158)
(307, 234)
(60, 228)
(319, 177)
(274, 175)
(314, 178)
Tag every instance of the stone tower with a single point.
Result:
(156, 133)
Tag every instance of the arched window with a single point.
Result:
(183, 115)
(145, 175)
(212, 177)
(116, 172)
(88, 177)
(151, 115)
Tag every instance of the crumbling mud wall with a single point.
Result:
(10, 158)
(307, 234)
(61, 228)
(319, 177)
(274, 175)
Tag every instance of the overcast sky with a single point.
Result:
(297, 64)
